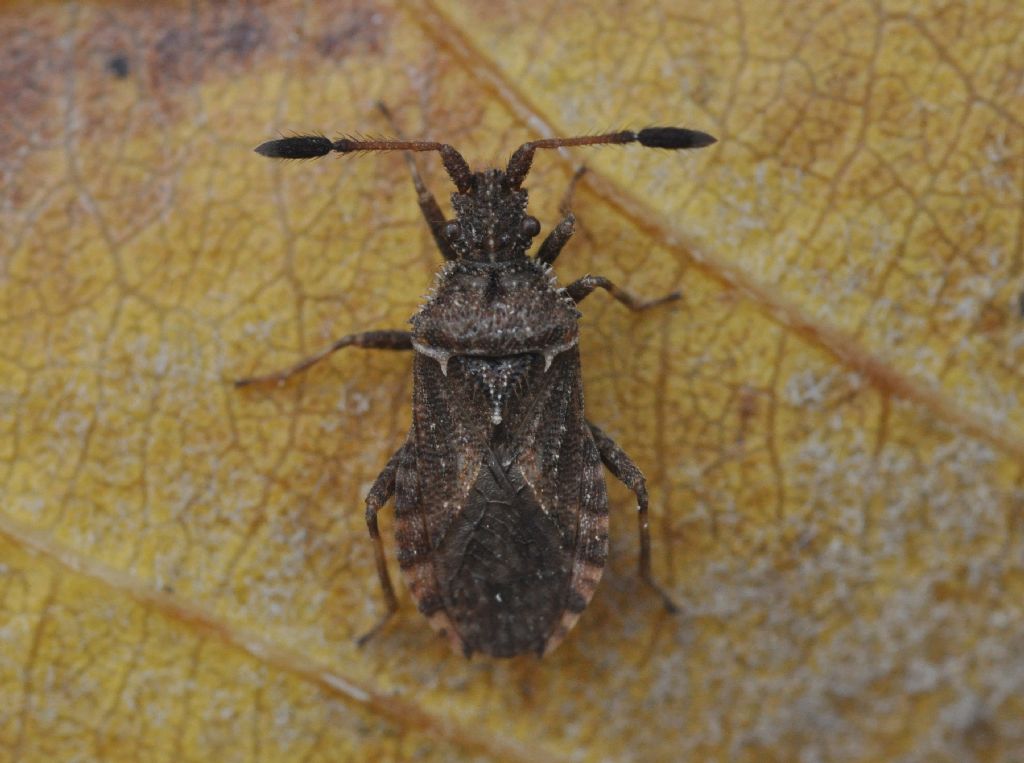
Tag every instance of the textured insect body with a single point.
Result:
(490, 223)
(500, 502)
(502, 456)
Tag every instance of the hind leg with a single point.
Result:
(381, 492)
(629, 474)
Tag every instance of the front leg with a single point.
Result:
(428, 204)
(556, 239)
(374, 340)
(580, 288)
(561, 233)
(629, 474)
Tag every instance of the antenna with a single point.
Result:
(313, 146)
(652, 137)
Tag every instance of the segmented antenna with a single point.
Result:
(313, 146)
(652, 137)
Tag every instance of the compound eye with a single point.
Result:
(451, 230)
(531, 226)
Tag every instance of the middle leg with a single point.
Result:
(580, 288)
(375, 340)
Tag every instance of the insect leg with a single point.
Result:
(381, 492)
(557, 238)
(561, 233)
(629, 474)
(371, 340)
(582, 287)
(428, 204)
(565, 205)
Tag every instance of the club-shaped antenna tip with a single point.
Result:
(674, 137)
(297, 147)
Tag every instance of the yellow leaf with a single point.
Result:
(830, 423)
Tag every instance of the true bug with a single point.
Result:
(500, 502)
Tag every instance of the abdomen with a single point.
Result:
(502, 570)
(501, 520)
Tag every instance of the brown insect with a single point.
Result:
(500, 502)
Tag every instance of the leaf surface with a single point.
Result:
(830, 422)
